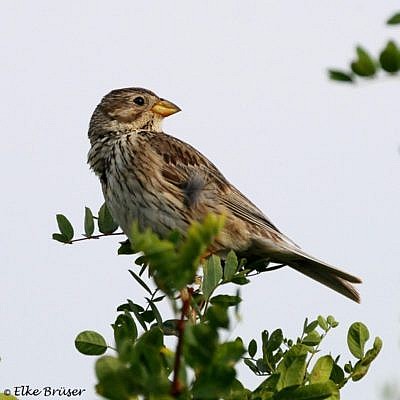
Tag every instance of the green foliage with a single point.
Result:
(390, 57)
(105, 221)
(90, 343)
(394, 19)
(89, 222)
(173, 263)
(66, 230)
(203, 365)
(106, 225)
(366, 66)
(212, 270)
(340, 76)
(4, 396)
(356, 338)
(287, 363)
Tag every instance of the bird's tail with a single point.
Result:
(326, 274)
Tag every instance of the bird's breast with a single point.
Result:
(135, 191)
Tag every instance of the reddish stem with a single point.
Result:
(176, 388)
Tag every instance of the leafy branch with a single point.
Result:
(105, 222)
(367, 67)
(201, 365)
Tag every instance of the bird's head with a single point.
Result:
(131, 109)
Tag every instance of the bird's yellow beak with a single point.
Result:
(165, 108)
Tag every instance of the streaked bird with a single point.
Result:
(165, 184)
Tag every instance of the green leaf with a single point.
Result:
(264, 339)
(108, 365)
(362, 366)
(252, 348)
(357, 336)
(90, 343)
(125, 248)
(316, 391)
(371, 354)
(156, 312)
(292, 371)
(212, 271)
(124, 329)
(229, 352)
(170, 327)
(262, 366)
(322, 323)
(218, 317)
(152, 338)
(199, 237)
(238, 391)
(158, 299)
(331, 321)
(89, 222)
(133, 307)
(214, 382)
(364, 66)
(140, 281)
(197, 354)
(60, 238)
(230, 267)
(173, 266)
(251, 365)
(337, 375)
(266, 389)
(240, 279)
(65, 226)
(267, 386)
(390, 58)
(311, 326)
(292, 368)
(148, 316)
(322, 370)
(137, 310)
(340, 76)
(275, 340)
(312, 339)
(348, 367)
(225, 300)
(359, 371)
(106, 223)
(394, 19)
(115, 382)
(305, 324)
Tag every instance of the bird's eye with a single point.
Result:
(139, 100)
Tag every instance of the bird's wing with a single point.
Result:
(188, 169)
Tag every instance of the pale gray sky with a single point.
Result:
(319, 158)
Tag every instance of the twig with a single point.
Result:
(267, 269)
(317, 348)
(176, 385)
(96, 236)
(153, 294)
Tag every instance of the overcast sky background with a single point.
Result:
(321, 159)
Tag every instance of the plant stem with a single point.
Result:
(152, 297)
(96, 236)
(176, 385)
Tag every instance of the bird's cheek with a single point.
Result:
(123, 115)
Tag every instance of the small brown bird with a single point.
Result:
(165, 184)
